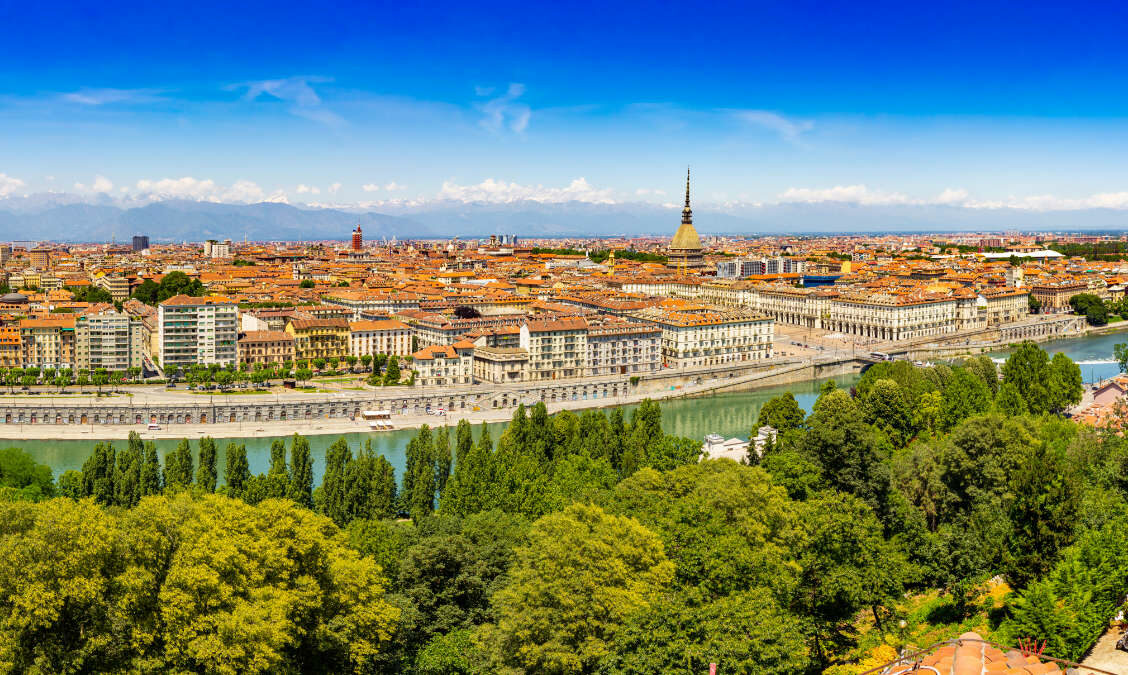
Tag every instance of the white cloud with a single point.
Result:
(952, 196)
(642, 192)
(92, 96)
(855, 194)
(788, 129)
(9, 184)
(205, 190)
(1100, 200)
(298, 92)
(334, 187)
(390, 187)
(101, 184)
(303, 189)
(500, 192)
(505, 111)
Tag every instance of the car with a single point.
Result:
(153, 426)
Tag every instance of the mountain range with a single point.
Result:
(71, 218)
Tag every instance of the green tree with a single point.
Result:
(300, 487)
(443, 459)
(236, 470)
(333, 493)
(1065, 384)
(1028, 369)
(21, 473)
(781, 413)
(1047, 496)
(965, 396)
(179, 467)
(582, 573)
(392, 372)
(846, 566)
(127, 479)
(206, 472)
(98, 474)
(471, 484)
(885, 407)
(1009, 401)
(746, 632)
(151, 471)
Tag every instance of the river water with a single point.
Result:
(730, 414)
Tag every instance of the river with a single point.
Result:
(729, 414)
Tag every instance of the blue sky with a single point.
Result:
(974, 104)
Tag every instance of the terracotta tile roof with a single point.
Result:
(304, 324)
(266, 336)
(383, 324)
(972, 655)
(206, 300)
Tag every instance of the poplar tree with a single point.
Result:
(98, 475)
(442, 459)
(333, 493)
(300, 488)
(127, 479)
(277, 479)
(419, 450)
(150, 471)
(206, 474)
(178, 467)
(236, 470)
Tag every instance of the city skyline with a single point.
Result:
(390, 110)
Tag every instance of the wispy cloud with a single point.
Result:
(505, 111)
(298, 91)
(790, 130)
(106, 96)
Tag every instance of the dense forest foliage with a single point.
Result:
(918, 503)
(1102, 250)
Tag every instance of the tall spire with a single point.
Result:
(687, 213)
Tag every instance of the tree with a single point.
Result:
(333, 493)
(781, 413)
(206, 473)
(1047, 496)
(885, 407)
(300, 488)
(846, 566)
(470, 486)
(20, 473)
(1028, 369)
(965, 396)
(1091, 306)
(121, 591)
(178, 467)
(1009, 401)
(370, 486)
(150, 471)
(236, 470)
(443, 459)
(127, 478)
(98, 474)
(306, 283)
(1065, 385)
(747, 632)
(392, 373)
(366, 360)
(582, 573)
(1120, 352)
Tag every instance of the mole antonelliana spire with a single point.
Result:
(685, 249)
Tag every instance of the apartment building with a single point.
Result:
(11, 354)
(444, 365)
(619, 347)
(379, 337)
(319, 338)
(498, 365)
(557, 348)
(116, 286)
(268, 347)
(109, 339)
(197, 331)
(1006, 305)
(711, 337)
(48, 342)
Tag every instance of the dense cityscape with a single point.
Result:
(563, 338)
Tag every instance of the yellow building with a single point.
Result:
(319, 338)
